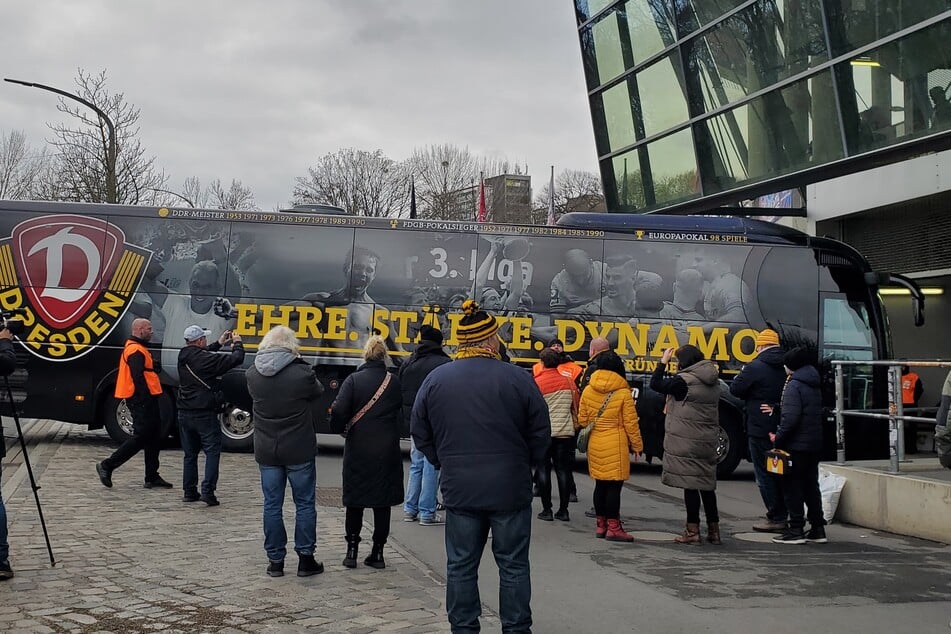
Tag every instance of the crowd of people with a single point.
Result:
(483, 430)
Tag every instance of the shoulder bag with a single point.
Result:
(585, 434)
(778, 462)
(363, 410)
(220, 402)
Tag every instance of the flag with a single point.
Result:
(551, 197)
(412, 198)
(482, 210)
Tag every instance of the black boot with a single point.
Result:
(350, 561)
(308, 566)
(375, 560)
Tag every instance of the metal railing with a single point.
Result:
(895, 414)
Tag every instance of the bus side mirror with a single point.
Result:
(894, 279)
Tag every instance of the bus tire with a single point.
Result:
(118, 418)
(237, 430)
(730, 446)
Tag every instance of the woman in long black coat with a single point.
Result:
(372, 462)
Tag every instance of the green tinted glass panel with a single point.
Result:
(855, 24)
(663, 102)
(692, 14)
(757, 47)
(584, 9)
(651, 27)
(618, 116)
(780, 132)
(673, 167)
(606, 48)
(898, 91)
(629, 190)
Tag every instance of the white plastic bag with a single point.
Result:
(830, 486)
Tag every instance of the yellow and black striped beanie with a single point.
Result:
(476, 325)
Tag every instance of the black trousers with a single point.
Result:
(802, 486)
(607, 498)
(561, 455)
(381, 522)
(693, 498)
(146, 437)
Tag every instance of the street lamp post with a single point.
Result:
(445, 190)
(112, 190)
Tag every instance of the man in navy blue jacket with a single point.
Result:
(485, 425)
(761, 381)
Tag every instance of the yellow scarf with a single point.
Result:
(472, 352)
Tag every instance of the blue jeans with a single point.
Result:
(303, 479)
(421, 487)
(770, 486)
(200, 430)
(4, 546)
(466, 534)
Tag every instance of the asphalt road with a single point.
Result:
(862, 581)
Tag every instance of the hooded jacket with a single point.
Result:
(428, 356)
(761, 381)
(691, 426)
(616, 430)
(283, 388)
(800, 425)
(561, 396)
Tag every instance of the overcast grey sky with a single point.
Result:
(259, 90)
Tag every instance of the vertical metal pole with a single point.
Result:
(894, 396)
(839, 417)
(900, 415)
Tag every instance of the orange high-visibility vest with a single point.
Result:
(124, 385)
(908, 383)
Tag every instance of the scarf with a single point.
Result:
(472, 352)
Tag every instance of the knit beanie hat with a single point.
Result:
(796, 358)
(428, 333)
(767, 338)
(476, 324)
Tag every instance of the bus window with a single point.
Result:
(787, 287)
(845, 328)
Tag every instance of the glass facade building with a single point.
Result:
(711, 101)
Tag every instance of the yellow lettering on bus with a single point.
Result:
(666, 338)
(96, 324)
(454, 319)
(521, 333)
(269, 319)
(402, 320)
(308, 323)
(37, 336)
(79, 337)
(245, 320)
(11, 299)
(381, 322)
(111, 304)
(336, 324)
(630, 343)
(599, 329)
(738, 354)
(57, 347)
(713, 347)
(574, 342)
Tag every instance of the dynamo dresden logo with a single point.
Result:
(74, 275)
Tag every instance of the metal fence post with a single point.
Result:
(894, 398)
(900, 415)
(839, 417)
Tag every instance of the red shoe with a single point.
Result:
(602, 528)
(616, 532)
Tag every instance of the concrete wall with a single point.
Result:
(902, 504)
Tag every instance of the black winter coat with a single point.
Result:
(428, 356)
(800, 425)
(372, 462)
(485, 424)
(208, 365)
(285, 430)
(761, 381)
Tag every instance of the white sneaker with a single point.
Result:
(435, 520)
(409, 517)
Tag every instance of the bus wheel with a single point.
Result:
(237, 430)
(729, 447)
(118, 417)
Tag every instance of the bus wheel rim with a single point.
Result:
(237, 424)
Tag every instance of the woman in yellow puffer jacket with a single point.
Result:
(608, 405)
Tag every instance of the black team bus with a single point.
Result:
(81, 273)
